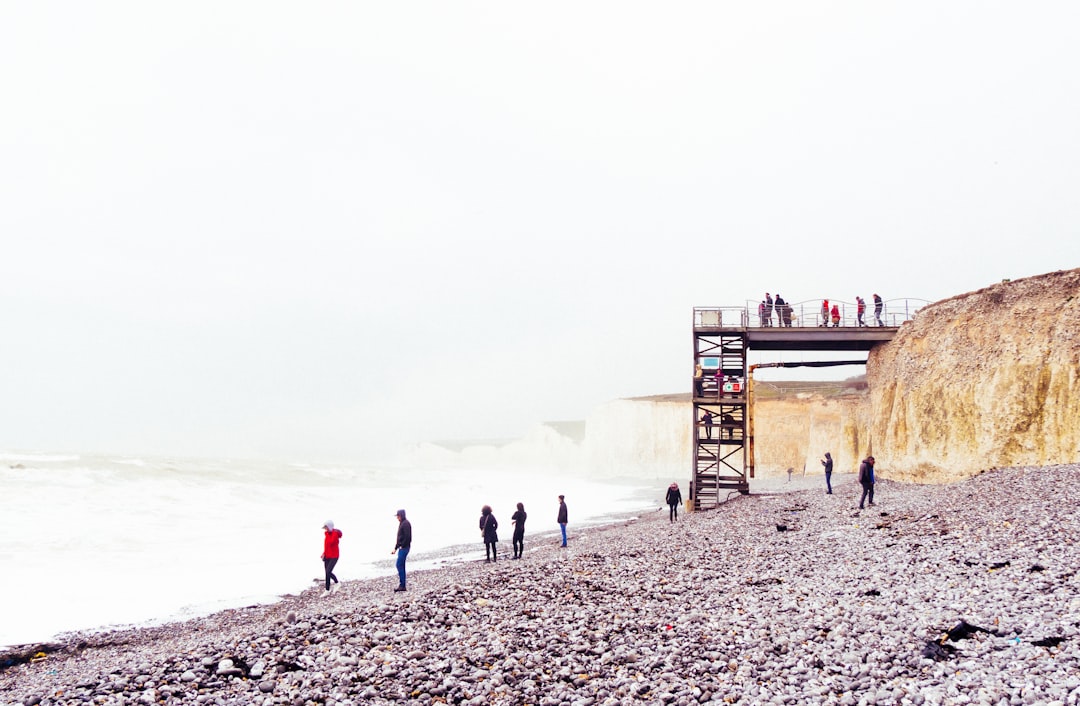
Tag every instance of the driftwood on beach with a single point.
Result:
(938, 594)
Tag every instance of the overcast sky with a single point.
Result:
(319, 230)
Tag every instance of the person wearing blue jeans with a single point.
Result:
(562, 519)
(404, 542)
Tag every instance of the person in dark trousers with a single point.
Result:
(561, 519)
(674, 499)
(404, 542)
(866, 480)
(518, 521)
(824, 312)
(728, 425)
(488, 527)
(783, 311)
(768, 309)
(860, 310)
(878, 307)
(827, 462)
(707, 419)
(330, 552)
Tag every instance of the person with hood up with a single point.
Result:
(518, 521)
(330, 552)
(824, 312)
(866, 480)
(835, 315)
(674, 499)
(488, 527)
(404, 542)
(827, 462)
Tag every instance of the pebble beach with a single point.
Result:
(946, 594)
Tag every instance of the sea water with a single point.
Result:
(89, 542)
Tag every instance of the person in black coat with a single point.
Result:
(518, 521)
(866, 480)
(674, 499)
(488, 525)
(827, 462)
(562, 518)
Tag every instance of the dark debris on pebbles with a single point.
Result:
(930, 597)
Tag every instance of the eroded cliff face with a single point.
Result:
(796, 433)
(986, 379)
(648, 438)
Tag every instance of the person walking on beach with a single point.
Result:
(404, 542)
(488, 527)
(860, 310)
(707, 420)
(561, 519)
(827, 462)
(518, 521)
(674, 499)
(866, 480)
(878, 307)
(330, 553)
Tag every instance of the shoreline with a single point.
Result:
(840, 606)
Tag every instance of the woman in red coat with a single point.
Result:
(330, 551)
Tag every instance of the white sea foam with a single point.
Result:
(88, 542)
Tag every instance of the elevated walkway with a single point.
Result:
(723, 436)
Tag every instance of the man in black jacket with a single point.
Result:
(827, 462)
(562, 519)
(866, 480)
(404, 542)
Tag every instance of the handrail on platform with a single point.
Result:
(808, 314)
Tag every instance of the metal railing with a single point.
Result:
(808, 314)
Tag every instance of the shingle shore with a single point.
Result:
(776, 598)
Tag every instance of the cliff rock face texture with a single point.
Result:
(796, 433)
(982, 380)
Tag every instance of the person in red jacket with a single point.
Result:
(835, 315)
(330, 552)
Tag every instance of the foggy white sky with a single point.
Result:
(317, 230)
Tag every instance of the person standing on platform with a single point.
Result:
(781, 310)
(330, 553)
(561, 519)
(518, 521)
(707, 420)
(824, 312)
(404, 542)
(835, 315)
(761, 313)
(699, 378)
(674, 499)
(866, 480)
(827, 462)
(488, 530)
(768, 309)
(860, 310)
(879, 306)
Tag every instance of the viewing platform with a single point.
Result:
(723, 399)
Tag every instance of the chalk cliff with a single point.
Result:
(985, 379)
